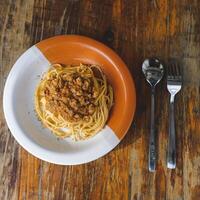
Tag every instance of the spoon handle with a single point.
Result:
(152, 141)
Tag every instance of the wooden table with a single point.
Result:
(135, 30)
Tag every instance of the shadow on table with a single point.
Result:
(133, 134)
(130, 138)
(140, 123)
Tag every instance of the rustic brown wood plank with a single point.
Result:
(135, 30)
(14, 41)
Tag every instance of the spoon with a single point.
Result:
(153, 71)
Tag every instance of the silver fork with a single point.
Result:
(174, 83)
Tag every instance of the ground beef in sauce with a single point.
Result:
(72, 96)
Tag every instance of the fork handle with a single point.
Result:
(152, 141)
(171, 154)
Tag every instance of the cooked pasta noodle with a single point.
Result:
(74, 101)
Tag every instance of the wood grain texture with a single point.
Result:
(135, 30)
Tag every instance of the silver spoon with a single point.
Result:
(153, 71)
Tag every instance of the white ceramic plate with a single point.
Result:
(18, 104)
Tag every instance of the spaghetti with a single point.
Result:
(74, 101)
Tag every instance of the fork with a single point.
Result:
(174, 83)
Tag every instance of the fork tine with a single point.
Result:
(179, 72)
(176, 69)
(173, 68)
(169, 70)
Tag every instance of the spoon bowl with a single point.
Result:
(153, 71)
